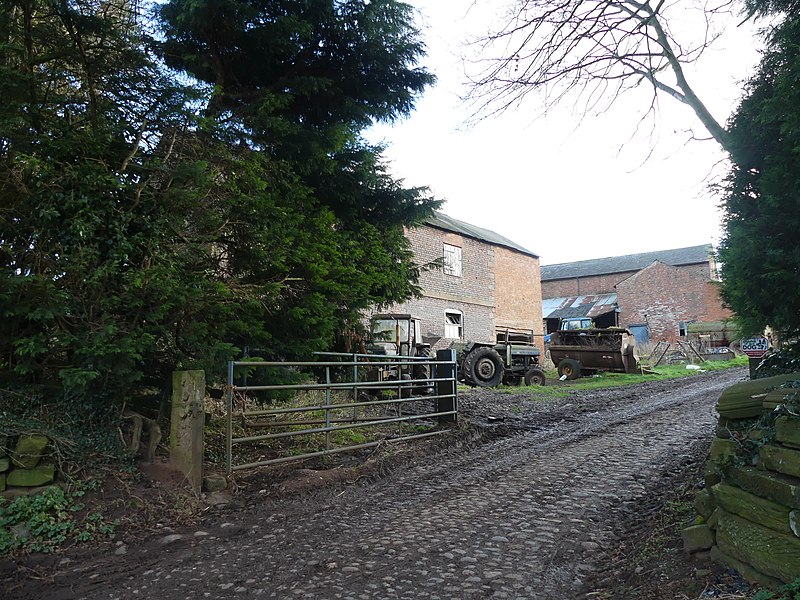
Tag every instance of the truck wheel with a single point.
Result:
(569, 368)
(534, 377)
(483, 367)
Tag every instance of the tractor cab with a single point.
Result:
(394, 334)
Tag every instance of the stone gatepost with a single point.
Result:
(186, 425)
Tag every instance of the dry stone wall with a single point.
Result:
(750, 507)
(24, 464)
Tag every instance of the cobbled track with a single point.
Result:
(535, 513)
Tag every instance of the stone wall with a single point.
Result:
(24, 464)
(751, 503)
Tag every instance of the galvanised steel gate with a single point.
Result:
(344, 403)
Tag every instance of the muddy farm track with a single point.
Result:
(536, 505)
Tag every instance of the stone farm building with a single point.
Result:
(659, 296)
(486, 284)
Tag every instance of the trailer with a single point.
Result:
(577, 352)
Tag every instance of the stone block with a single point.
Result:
(29, 451)
(767, 551)
(776, 398)
(17, 492)
(712, 520)
(758, 510)
(744, 399)
(766, 484)
(780, 459)
(2, 482)
(697, 538)
(5, 464)
(787, 430)
(38, 475)
(746, 571)
(186, 425)
(712, 476)
(214, 482)
(704, 503)
(723, 448)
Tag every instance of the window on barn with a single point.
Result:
(453, 324)
(683, 328)
(452, 260)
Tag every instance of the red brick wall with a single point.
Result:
(715, 310)
(598, 284)
(663, 296)
(518, 291)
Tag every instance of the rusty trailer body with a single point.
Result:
(587, 350)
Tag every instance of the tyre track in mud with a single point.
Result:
(535, 513)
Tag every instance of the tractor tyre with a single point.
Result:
(535, 376)
(422, 370)
(483, 367)
(569, 368)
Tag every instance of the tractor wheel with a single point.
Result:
(569, 368)
(534, 377)
(483, 367)
(422, 370)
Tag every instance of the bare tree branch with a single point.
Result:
(598, 48)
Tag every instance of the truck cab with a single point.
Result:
(576, 323)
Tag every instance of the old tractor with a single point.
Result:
(509, 361)
(398, 335)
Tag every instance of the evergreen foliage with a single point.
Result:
(148, 225)
(760, 253)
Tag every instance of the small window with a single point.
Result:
(453, 324)
(452, 260)
(683, 329)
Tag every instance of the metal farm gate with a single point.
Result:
(343, 402)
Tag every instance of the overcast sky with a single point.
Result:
(565, 188)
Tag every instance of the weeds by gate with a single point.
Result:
(278, 412)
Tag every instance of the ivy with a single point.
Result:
(45, 521)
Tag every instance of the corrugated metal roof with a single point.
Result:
(578, 306)
(442, 221)
(630, 262)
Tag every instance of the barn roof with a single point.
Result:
(443, 221)
(570, 307)
(622, 264)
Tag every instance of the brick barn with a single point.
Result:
(486, 283)
(656, 295)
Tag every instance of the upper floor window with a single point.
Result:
(452, 260)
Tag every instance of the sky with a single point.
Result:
(564, 187)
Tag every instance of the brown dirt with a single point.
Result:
(648, 563)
